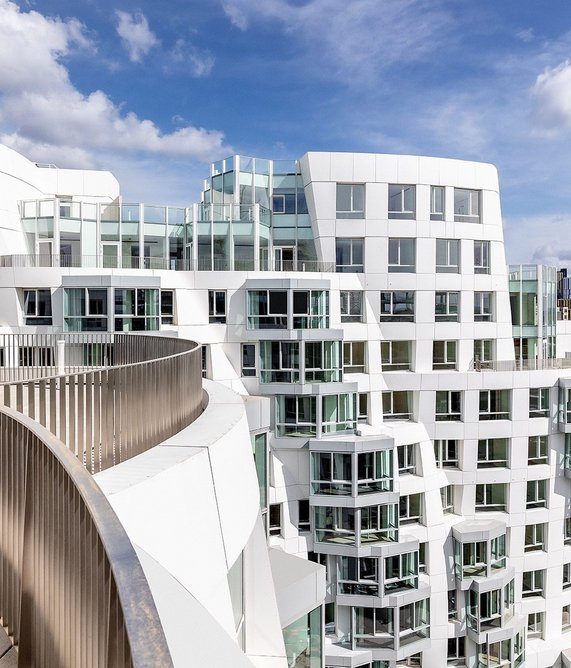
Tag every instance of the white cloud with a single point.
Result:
(136, 36)
(235, 14)
(198, 62)
(551, 94)
(43, 114)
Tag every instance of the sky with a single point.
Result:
(154, 91)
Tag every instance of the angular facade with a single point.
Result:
(408, 396)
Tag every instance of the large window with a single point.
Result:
(267, 309)
(538, 402)
(374, 627)
(303, 641)
(402, 255)
(322, 361)
(444, 354)
(536, 494)
(397, 405)
(310, 309)
(493, 453)
(446, 306)
(414, 622)
(357, 576)
(85, 309)
(489, 609)
(350, 200)
(397, 306)
(537, 450)
(402, 201)
(279, 361)
(491, 497)
(495, 404)
(466, 205)
(446, 453)
(483, 306)
(447, 256)
(395, 355)
(38, 307)
(481, 257)
(349, 256)
(351, 305)
(296, 416)
(437, 202)
(136, 309)
(217, 306)
(354, 357)
(356, 526)
(332, 472)
(448, 405)
(480, 558)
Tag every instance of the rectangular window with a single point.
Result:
(483, 305)
(535, 625)
(483, 352)
(444, 355)
(350, 200)
(310, 309)
(37, 307)
(402, 202)
(354, 357)
(377, 623)
(351, 305)
(167, 307)
(248, 359)
(455, 650)
(495, 404)
(534, 537)
(395, 355)
(136, 309)
(536, 494)
(338, 413)
(402, 253)
(349, 256)
(296, 416)
(331, 473)
(537, 450)
(567, 531)
(491, 497)
(374, 471)
(303, 523)
(397, 405)
(414, 622)
(362, 407)
(566, 576)
(446, 306)
(447, 497)
(446, 453)
(466, 206)
(532, 584)
(397, 306)
(279, 361)
(566, 618)
(437, 202)
(406, 455)
(323, 361)
(217, 306)
(423, 557)
(493, 453)
(448, 406)
(267, 309)
(447, 256)
(204, 360)
(275, 519)
(401, 572)
(357, 576)
(410, 509)
(260, 452)
(85, 309)
(538, 402)
(481, 257)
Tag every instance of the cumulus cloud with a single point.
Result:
(136, 36)
(552, 97)
(43, 114)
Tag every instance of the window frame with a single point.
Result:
(411, 509)
(448, 355)
(435, 213)
(535, 583)
(347, 306)
(248, 370)
(350, 350)
(356, 252)
(388, 354)
(539, 402)
(453, 410)
(471, 210)
(269, 319)
(216, 315)
(490, 398)
(406, 458)
(33, 316)
(399, 193)
(534, 537)
(536, 494)
(483, 312)
(445, 310)
(397, 248)
(538, 450)
(487, 490)
(490, 458)
(354, 212)
(396, 299)
(442, 454)
(86, 319)
(167, 309)
(482, 250)
(448, 247)
(391, 415)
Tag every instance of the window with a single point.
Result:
(493, 453)
(406, 455)
(322, 361)
(338, 525)
(296, 416)
(537, 450)
(217, 306)
(452, 604)
(483, 352)
(402, 255)
(447, 256)
(349, 256)
(446, 306)
(397, 306)
(532, 584)
(566, 618)
(535, 625)
(351, 305)
(354, 357)
(422, 557)
(483, 306)
(397, 405)
(444, 355)
(536, 494)
(395, 355)
(566, 576)
(448, 405)
(494, 404)
(37, 307)
(466, 206)
(456, 650)
(479, 558)
(260, 452)
(357, 576)
(437, 202)
(331, 473)
(362, 407)
(248, 359)
(204, 360)
(303, 523)
(446, 453)
(167, 307)
(279, 361)
(410, 509)
(85, 309)
(401, 572)
(350, 200)
(447, 498)
(402, 202)
(310, 309)
(481, 257)
(374, 625)
(275, 519)
(534, 537)
(136, 309)
(567, 531)
(538, 402)
(267, 309)
(491, 497)
(338, 412)
(374, 471)
(414, 621)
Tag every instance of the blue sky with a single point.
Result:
(154, 91)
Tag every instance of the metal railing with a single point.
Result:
(72, 590)
(120, 394)
(520, 365)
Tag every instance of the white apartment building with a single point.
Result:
(405, 395)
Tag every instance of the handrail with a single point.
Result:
(72, 590)
(520, 365)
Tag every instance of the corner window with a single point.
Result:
(267, 309)
(538, 402)
(279, 362)
(402, 255)
(446, 453)
(351, 305)
(481, 257)
(338, 413)
(322, 361)
(447, 256)
(397, 306)
(136, 309)
(85, 309)
(444, 355)
(350, 200)
(167, 307)
(466, 206)
(537, 450)
(296, 416)
(483, 305)
(248, 359)
(493, 453)
(446, 306)
(357, 576)
(310, 309)
(402, 202)
(349, 256)
(495, 404)
(437, 202)
(37, 307)
(395, 355)
(354, 357)
(448, 405)
(401, 572)
(217, 306)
